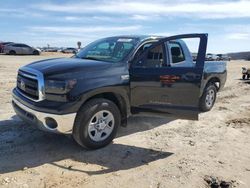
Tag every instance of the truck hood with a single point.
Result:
(67, 65)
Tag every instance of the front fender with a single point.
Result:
(122, 91)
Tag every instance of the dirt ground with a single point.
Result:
(150, 152)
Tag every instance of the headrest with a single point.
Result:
(175, 51)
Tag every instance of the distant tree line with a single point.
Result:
(240, 55)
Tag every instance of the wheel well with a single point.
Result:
(215, 81)
(118, 100)
(35, 52)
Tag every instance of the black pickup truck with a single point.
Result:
(92, 93)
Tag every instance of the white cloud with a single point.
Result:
(20, 13)
(162, 34)
(143, 10)
(8, 10)
(72, 18)
(238, 36)
(238, 32)
(87, 18)
(144, 17)
(84, 30)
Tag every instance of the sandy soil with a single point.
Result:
(150, 152)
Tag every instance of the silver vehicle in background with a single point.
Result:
(20, 49)
(223, 57)
(69, 50)
(212, 57)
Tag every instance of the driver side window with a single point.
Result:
(154, 58)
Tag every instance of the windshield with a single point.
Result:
(114, 49)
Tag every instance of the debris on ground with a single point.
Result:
(191, 143)
(215, 182)
(238, 123)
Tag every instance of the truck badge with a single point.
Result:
(22, 85)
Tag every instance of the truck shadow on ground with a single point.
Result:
(245, 81)
(22, 145)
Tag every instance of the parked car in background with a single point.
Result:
(211, 57)
(223, 57)
(226, 57)
(20, 49)
(50, 49)
(2, 44)
(70, 50)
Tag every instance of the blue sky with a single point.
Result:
(63, 23)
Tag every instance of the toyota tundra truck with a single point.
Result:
(92, 93)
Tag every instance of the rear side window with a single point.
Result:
(16, 45)
(20, 45)
(176, 52)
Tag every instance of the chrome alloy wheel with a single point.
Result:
(210, 98)
(101, 125)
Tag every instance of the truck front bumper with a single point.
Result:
(45, 121)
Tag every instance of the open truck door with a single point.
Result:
(158, 88)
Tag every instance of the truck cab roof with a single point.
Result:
(140, 37)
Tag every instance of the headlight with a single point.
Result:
(59, 87)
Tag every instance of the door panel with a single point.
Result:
(27, 50)
(18, 50)
(159, 89)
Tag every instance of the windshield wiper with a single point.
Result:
(91, 58)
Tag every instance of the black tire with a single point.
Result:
(204, 104)
(243, 76)
(84, 116)
(12, 52)
(248, 76)
(36, 52)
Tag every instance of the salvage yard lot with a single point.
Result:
(149, 152)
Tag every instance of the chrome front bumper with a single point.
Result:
(65, 123)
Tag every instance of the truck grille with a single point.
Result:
(30, 83)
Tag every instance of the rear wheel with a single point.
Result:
(208, 98)
(248, 76)
(36, 52)
(12, 52)
(96, 123)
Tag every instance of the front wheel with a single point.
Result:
(96, 123)
(12, 52)
(208, 98)
(36, 52)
